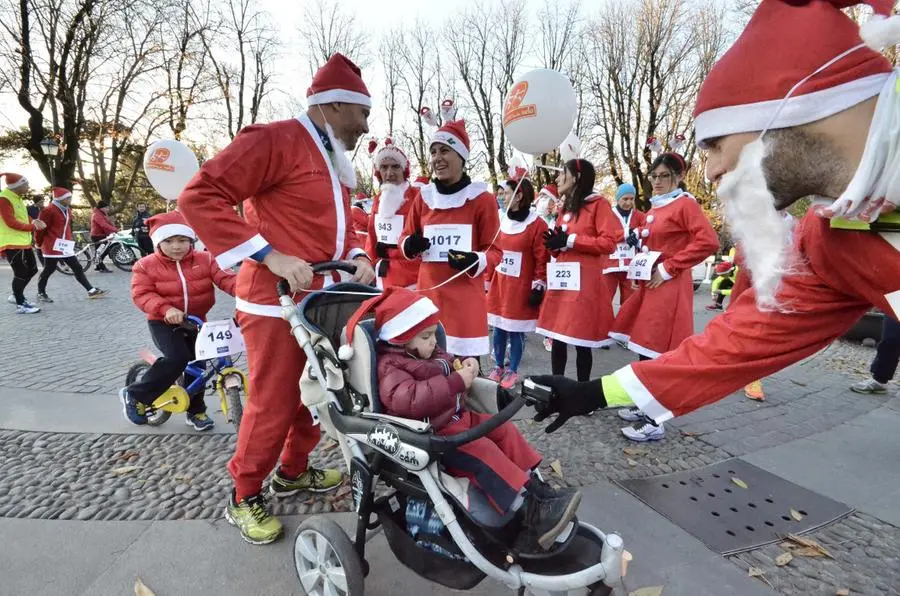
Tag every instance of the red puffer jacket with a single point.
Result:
(413, 388)
(158, 283)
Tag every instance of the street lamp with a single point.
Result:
(50, 149)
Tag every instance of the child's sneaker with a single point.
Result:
(96, 293)
(252, 518)
(200, 421)
(509, 379)
(134, 411)
(548, 517)
(312, 480)
(714, 306)
(43, 297)
(496, 374)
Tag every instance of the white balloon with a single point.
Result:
(570, 148)
(169, 166)
(540, 111)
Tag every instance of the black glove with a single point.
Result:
(504, 397)
(632, 239)
(570, 398)
(536, 297)
(381, 250)
(415, 244)
(382, 268)
(462, 260)
(556, 239)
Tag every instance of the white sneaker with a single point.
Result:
(11, 299)
(869, 386)
(26, 309)
(632, 414)
(644, 430)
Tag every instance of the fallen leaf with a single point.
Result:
(128, 455)
(183, 478)
(557, 468)
(783, 559)
(808, 551)
(124, 470)
(739, 482)
(809, 543)
(755, 572)
(795, 382)
(796, 515)
(689, 433)
(631, 462)
(652, 591)
(635, 451)
(164, 466)
(843, 592)
(141, 590)
(788, 545)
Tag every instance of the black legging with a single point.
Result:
(145, 244)
(559, 354)
(50, 267)
(24, 268)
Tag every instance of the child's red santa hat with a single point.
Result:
(421, 181)
(14, 181)
(338, 81)
(389, 151)
(166, 225)
(550, 190)
(454, 135)
(746, 86)
(61, 194)
(400, 315)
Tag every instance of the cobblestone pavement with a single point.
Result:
(86, 347)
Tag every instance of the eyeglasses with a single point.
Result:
(662, 177)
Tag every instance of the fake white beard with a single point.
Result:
(391, 198)
(761, 232)
(343, 166)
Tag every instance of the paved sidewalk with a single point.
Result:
(65, 441)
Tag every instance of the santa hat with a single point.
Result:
(724, 268)
(166, 225)
(14, 181)
(361, 196)
(390, 151)
(746, 86)
(400, 315)
(551, 191)
(338, 81)
(61, 194)
(453, 134)
(421, 181)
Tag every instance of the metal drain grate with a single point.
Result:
(728, 518)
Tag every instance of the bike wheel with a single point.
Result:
(235, 406)
(136, 373)
(86, 259)
(123, 257)
(326, 560)
(64, 268)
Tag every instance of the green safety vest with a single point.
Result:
(9, 236)
(889, 222)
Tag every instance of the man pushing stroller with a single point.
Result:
(419, 380)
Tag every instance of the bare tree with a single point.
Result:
(327, 29)
(390, 49)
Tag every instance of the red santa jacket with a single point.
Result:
(159, 283)
(294, 204)
(401, 272)
(59, 226)
(101, 224)
(414, 388)
(360, 221)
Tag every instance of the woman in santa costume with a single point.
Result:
(451, 231)
(519, 281)
(661, 313)
(579, 245)
(630, 219)
(389, 211)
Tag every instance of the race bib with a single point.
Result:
(66, 247)
(445, 237)
(217, 339)
(623, 251)
(387, 229)
(641, 267)
(564, 276)
(511, 264)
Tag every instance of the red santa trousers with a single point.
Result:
(619, 281)
(498, 463)
(275, 421)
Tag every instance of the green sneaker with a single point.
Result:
(251, 517)
(312, 480)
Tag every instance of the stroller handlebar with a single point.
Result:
(284, 289)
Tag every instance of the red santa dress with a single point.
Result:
(654, 321)
(466, 220)
(578, 308)
(522, 268)
(386, 227)
(616, 270)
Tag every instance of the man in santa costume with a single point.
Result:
(823, 125)
(295, 177)
(389, 210)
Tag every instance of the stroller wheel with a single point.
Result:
(326, 560)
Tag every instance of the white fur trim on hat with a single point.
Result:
(339, 96)
(407, 318)
(169, 230)
(392, 152)
(22, 181)
(445, 138)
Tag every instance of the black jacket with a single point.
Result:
(139, 225)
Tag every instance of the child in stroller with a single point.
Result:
(419, 380)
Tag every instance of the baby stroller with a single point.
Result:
(463, 539)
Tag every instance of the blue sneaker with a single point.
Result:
(134, 411)
(200, 421)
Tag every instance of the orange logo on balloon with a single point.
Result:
(158, 160)
(514, 110)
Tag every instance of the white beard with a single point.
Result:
(344, 167)
(392, 197)
(761, 232)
